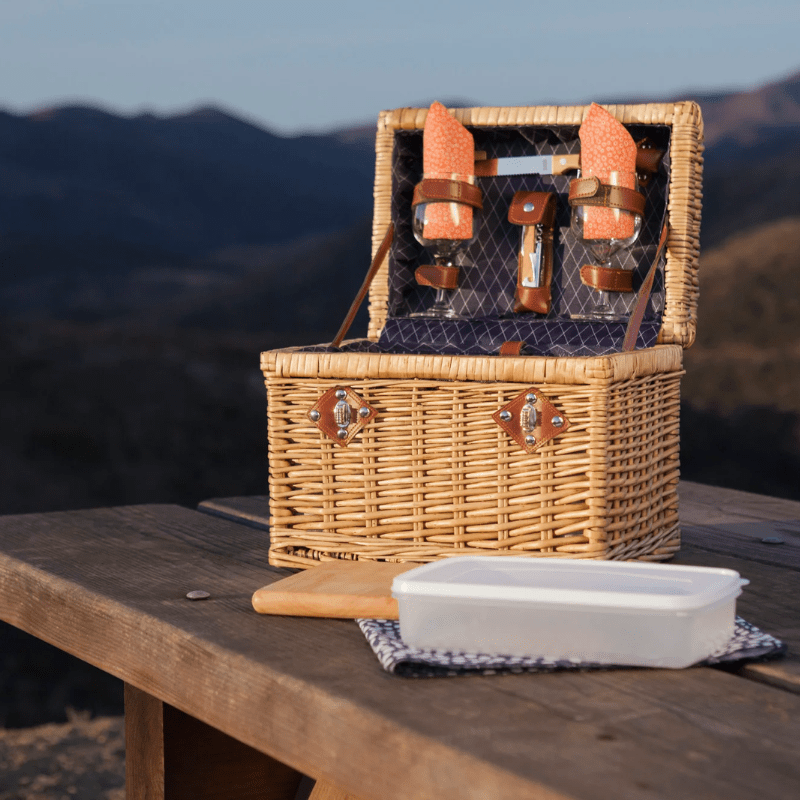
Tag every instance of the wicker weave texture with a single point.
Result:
(298, 363)
(684, 206)
(434, 476)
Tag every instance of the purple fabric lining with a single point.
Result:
(484, 336)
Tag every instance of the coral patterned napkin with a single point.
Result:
(608, 152)
(448, 152)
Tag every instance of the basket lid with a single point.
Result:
(678, 124)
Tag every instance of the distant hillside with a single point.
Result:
(187, 184)
(744, 119)
(152, 335)
(752, 185)
(305, 290)
(748, 345)
(740, 420)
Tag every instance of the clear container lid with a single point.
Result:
(620, 585)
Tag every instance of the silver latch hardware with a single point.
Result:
(342, 414)
(528, 416)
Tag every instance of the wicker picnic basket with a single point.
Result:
(429, 472)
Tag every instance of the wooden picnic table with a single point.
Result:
(222, 702)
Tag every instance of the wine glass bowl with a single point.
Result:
(444, 252)
(603, 252)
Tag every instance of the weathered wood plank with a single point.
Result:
(253, 511)
(109, 585)
(144, 746)
(326, 791)
(170, 755)
(736, 523)
(721, 527)
(737, 506)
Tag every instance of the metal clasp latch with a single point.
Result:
(341, 413)
(531, 419)
(528, 417)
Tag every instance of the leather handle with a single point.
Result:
(380, 255)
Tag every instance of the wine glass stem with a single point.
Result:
(603, 302)
(602, 299)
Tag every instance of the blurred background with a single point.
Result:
(186, 184)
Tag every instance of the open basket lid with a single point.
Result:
(679, 124)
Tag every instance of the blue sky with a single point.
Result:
(296, 66)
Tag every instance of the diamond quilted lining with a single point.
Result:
(489, 266)
(558, 337)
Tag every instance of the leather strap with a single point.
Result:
(607, 279)
(590, 192)
(435, 190)
(511, 348)
(437, 275)
(380, 255)
(637, 315)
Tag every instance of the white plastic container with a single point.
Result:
(605, 612)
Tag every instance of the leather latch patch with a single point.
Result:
(341, 414)
(531, 420)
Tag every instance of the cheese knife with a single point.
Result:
(557, 164)
(647, 161)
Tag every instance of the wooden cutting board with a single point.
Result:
(340, 589)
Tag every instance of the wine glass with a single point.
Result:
(603, 252)
(444, 253)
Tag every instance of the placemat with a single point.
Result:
(748, 643)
